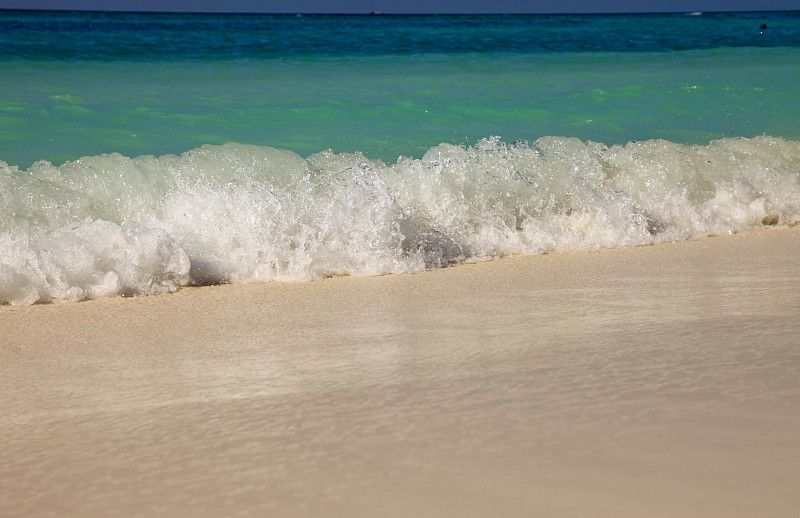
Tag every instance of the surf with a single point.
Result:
(112, 225)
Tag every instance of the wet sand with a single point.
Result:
(656, 381)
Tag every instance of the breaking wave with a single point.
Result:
(112, 225)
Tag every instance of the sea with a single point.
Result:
(143, 152)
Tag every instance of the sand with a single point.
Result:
(655, 381)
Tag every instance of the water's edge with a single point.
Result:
(109, 225)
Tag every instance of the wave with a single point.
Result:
(112, 225)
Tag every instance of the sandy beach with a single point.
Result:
(660, 381)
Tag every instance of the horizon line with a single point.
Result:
(381, 13)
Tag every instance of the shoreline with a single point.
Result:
(469, 263)
(651, 381)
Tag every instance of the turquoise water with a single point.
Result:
(395, 105)
(365, 145)
(84, 84)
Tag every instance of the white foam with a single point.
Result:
(109, 224)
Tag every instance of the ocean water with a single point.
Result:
(144, 152)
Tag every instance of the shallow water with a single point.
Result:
(79, 84)
(85, 84)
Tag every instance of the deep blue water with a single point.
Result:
(113, 36)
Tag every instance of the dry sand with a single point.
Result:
(657, 381)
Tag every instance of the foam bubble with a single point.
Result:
(109, 224)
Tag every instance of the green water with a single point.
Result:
(393, 105)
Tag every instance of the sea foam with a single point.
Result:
(108, 224)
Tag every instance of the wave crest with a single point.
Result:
(110, 224)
